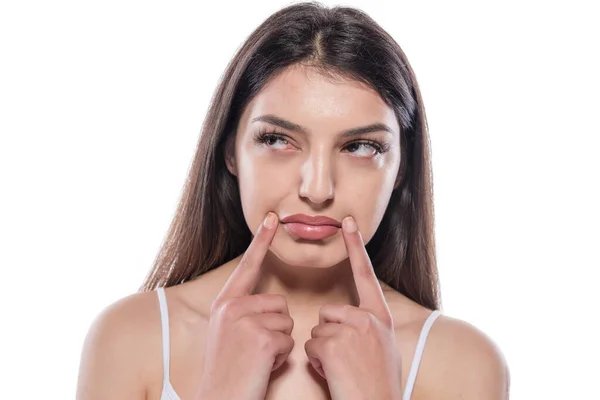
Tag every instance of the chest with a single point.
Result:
(295, 379)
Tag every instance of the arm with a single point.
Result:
(110, 363)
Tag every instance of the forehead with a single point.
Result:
(309, 98)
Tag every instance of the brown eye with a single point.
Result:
(371, 148)
(272, 140)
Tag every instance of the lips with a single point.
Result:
(311, 227)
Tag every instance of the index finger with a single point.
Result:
(244, 277)
(369, 290)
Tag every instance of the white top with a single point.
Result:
(168, 393)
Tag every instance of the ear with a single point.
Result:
(230, 154)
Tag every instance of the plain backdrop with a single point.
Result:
(101, 105)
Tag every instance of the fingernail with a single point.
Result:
(270, 220)
(349, 224)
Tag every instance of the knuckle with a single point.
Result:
(265, 341)
(370, 320)
(278, 299)
(228, 308)
(375, 322)
(267, 296)
(366, 321)
(348, 335)
(276, 296)
(216, 307)
(388, 321)
(289, 342)
(327, 308)
(347, 308)
(289, 323)
(330, 347)
(314, 331)
(247, 324)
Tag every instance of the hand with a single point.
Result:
(248, 335)
(354, 348)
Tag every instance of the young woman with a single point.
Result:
(301, 262)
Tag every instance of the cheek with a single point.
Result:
(260, 169)
(370, 198)
(261, 187)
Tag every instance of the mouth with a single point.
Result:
(310, 232)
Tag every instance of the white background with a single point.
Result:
(101, 105)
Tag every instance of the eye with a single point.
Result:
(362, 148)
(272, 140)
(366, 148)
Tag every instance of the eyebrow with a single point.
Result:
(285, 124)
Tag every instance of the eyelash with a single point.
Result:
(262, 136)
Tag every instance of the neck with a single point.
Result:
(307, 288)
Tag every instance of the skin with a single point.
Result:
(352, 335)
(315, 173)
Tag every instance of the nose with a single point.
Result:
(317, 178)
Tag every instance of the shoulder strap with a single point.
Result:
(164, 317)
(414, 368)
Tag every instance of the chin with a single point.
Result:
(308, 253)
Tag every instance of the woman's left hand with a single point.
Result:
(354, 348)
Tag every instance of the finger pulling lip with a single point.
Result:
(310, 232)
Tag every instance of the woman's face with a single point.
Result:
(295, 153)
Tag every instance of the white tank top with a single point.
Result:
(168, 393)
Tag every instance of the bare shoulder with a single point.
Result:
(121, 344)
(462, 362)
(122, 352)
(459, 360)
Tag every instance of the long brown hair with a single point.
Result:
(209, 228)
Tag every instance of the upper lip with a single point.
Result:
(309, 220)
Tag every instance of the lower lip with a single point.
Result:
(310, 232)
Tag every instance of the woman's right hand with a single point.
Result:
(248, 335)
